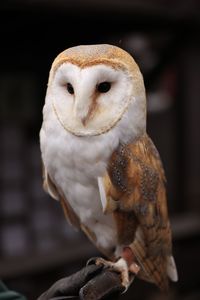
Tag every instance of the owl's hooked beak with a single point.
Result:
(83, 108)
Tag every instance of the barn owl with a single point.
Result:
(99, 162)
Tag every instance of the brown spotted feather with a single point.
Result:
(137, 175)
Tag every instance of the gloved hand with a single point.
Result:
(90, 283)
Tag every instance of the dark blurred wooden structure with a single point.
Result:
(164, 37)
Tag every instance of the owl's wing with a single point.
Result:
(136, 181)
(51, 188)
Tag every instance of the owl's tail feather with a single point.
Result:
(171, 269)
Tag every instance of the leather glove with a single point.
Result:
(90, 283)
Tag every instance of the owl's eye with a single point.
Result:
(103, 87)
(70, 88)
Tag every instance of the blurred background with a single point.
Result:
(37, 246)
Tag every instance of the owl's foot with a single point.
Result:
(129, 257)
(120, 266)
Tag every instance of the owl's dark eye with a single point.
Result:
(103, 87)
(70, 88)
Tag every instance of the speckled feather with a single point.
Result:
(138, 186)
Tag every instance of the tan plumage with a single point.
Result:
(139, 187)
(132, 183)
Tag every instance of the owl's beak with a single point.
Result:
(82, 110)
(86, 119)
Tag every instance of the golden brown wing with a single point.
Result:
(138, 183)
(51, 188)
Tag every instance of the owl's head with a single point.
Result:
(92, 88)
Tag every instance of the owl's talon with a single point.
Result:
(104, 262)
(92, 261)
(120, 267)
(134, 268)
